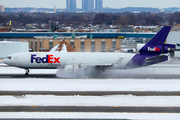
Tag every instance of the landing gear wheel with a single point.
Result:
(27, 72)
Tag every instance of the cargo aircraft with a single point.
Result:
(155, 51)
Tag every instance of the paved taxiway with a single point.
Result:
(89, 109)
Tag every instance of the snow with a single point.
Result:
(110, 84)
(112, 100)
(33, 84)
(73, 115)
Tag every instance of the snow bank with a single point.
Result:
(56, 115)
(89, 85)
(117, 100)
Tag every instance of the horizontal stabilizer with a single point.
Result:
(156, 58)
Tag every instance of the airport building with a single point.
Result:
(93, 42)
(173, 38)
(5, 29)
(80, 44)
(1, 8)
(11, 47)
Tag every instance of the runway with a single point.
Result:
(90, 93)
(120, 76)
(29, 76)
(59, 119)
(89, 109)
(159, 71)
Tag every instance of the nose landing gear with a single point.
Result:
(27, 72)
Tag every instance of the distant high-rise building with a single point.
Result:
(99, 5)
(1, 8)
(68, 4)
(83, 5)
(54, 9)
(88, 5)
(71, 5)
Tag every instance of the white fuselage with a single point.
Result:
(40, 60)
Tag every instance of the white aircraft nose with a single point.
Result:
(7, 60)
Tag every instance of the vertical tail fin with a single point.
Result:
(160, 37)
(156, 44)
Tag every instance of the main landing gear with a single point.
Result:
(27, 72)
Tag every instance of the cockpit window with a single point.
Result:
(9, 57)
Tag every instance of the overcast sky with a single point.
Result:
(107, 3)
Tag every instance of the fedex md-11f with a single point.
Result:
(155, 51)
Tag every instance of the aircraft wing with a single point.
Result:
(92, 64)
(98, 64)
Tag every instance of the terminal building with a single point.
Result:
(80, 44)
(93, 42)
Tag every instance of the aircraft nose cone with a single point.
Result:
(5, 61)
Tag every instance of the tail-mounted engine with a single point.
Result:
(155, 49)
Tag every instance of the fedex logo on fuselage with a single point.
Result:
(153, 49)
(47, 59)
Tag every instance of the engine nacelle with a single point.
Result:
(156, 49)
